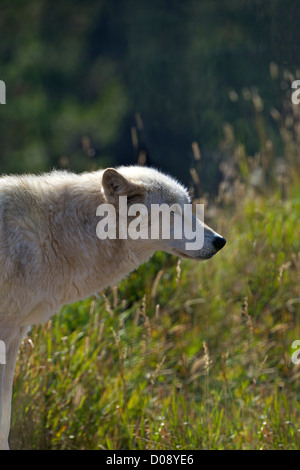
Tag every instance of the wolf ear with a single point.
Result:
(115, 185)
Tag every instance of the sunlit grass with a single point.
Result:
(179, 356)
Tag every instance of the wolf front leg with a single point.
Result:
(3, 444)
(12, 343)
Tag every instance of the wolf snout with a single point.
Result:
(218, 242)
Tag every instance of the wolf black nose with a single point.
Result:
(219, 242)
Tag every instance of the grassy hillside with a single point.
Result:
(181, 355)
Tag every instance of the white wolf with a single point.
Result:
(50, 254)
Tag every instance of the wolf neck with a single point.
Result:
(94, 264)
(65, 260)
(107, 265)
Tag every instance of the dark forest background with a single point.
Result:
(108, 82)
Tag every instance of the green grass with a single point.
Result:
(180, 355)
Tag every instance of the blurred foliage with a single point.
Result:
(95, 83)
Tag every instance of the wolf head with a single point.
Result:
(162, 208)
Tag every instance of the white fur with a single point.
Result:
(50, 254)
